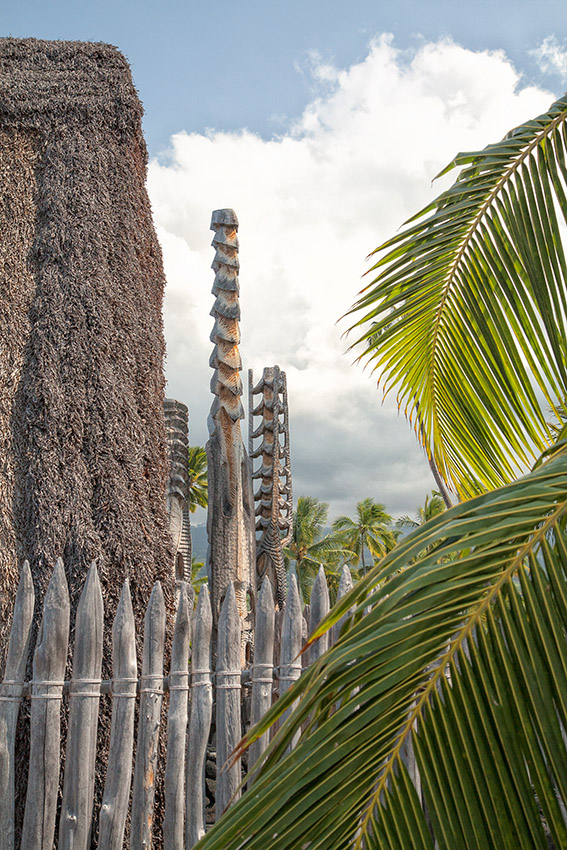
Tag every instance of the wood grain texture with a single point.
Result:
(49, 661)
(151, 697)
(173, 824)
(200, 721)
(262, 670)
(319, 608)
(229, 729)
(11, 691)
(114, 809)
(84, 695)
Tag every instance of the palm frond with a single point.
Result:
(466, 657)
(198, 478)
(466, 316)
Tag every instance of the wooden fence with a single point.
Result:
(192, 690)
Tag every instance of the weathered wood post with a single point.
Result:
(263, 669)
(230, 520)
(84, 695)
(10, 700)
(345, 584)
(228, 688)
(291, 641)
(49, 660)
(319, 608)
(151, 697)
(114, 809)
(173, 823)
(200, 722)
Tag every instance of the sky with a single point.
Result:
(322, 125)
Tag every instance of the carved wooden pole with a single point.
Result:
(230, 521)
(273, 499)
(176, 423)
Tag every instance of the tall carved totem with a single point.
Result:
(269, 428)
(176, 422)
(230, 518)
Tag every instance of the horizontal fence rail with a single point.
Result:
(192, 690)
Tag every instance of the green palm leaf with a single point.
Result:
(198, 478)
(465, 657)
(466, 316)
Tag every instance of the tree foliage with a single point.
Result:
(309, 546)
(371, 530)
(433, 505)
(198, 481)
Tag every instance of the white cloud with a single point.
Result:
(551, 56)
(312, 204)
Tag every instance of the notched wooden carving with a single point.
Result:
(273, 498)
(230, 520)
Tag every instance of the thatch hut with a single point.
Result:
(82, 437)
(81, 390)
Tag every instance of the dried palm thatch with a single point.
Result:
(82, 437)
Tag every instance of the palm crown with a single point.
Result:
(370, 530)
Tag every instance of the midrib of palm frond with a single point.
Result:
(445, 660)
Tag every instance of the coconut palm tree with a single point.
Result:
(198, 491)
(370, 531)
(309, 546)
(461, 652)
(433, 506)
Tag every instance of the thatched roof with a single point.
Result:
(56, 84)
(82, 435)
(87, 420)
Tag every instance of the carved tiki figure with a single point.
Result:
(230, 520)
(176, 421)
(273, 497)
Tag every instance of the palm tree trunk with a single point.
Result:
(433, 466)
(440, 483)
(362, 554)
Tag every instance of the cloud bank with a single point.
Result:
(551, 56)
(312, 203)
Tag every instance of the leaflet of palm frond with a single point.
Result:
(467, 642)
(476, 284)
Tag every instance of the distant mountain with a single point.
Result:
(200, 542)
